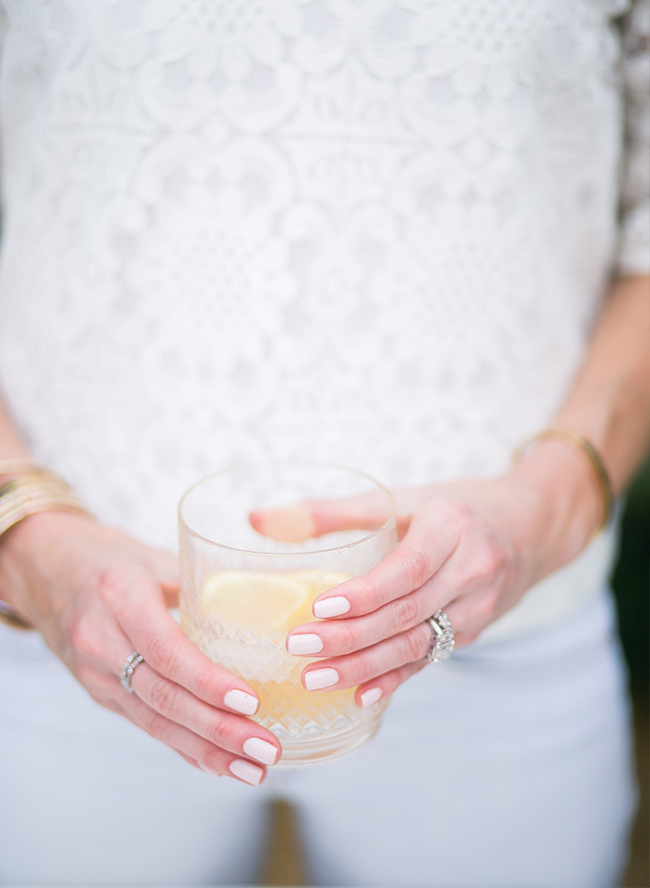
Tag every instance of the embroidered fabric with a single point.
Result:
(370, 231)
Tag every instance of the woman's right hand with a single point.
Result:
(97, 595)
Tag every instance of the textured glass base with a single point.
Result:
(313, 726)
(307, 752)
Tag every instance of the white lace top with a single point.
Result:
(371, 231)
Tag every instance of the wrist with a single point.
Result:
(26, 491)
(567, 504)
(20, 549)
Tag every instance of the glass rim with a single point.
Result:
(286, 461)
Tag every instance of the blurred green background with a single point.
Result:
(632, 581)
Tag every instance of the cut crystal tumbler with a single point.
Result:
(242, 591)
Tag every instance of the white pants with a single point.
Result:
(507, 766)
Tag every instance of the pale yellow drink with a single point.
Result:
(244, 619)
(250, 571)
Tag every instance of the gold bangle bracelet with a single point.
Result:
(32, 490)
(31, 493)
(585, 450)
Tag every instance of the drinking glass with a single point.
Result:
(242, 592)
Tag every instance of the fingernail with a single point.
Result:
(321, 678)
(246, 771)
(241, 702)
(304, 644)
(261, 750)
(331, 607)
(371, 696)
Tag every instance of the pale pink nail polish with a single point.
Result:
(331, 607)
(304, 644)
(246, 771)
(261, 750)
(321, 678)
(242, 702)
(372, 695)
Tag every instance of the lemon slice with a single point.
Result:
(255, 598)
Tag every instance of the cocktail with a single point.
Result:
(242, 591)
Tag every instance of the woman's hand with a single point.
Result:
(97, 595)
(471, 548)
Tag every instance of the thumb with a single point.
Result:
(314, 518)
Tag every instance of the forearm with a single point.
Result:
(608, 405)
(46, 495)
(11, 447)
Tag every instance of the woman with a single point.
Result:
(376, 233)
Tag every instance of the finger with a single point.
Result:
(362, 666)
(141, 611)
(429, 542)
(107, 691)
(210, 757)
(389, 656)
(338, 638)
(102, 694)
(235, 733)
(311, 518)
(333, 638)
(383, 686)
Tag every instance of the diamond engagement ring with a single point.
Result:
(128, 669)
(442, 640)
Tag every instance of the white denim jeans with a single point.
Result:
(508, 765)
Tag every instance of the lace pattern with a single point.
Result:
(373, 231)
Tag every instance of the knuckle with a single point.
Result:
(212, 759)
(84, 636)
(417, 567)
(459, 515)
(221, 734)
(154, 724)
(488, 561)
(414, 644)
(348, 640)
(369, 596)
(113, 582)
(487, 605)
(161, 654)
(204, 683)
(163, 696)
(404, 613)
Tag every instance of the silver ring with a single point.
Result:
(442, 640)
(128, 669)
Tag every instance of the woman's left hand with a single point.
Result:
(471, 548)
